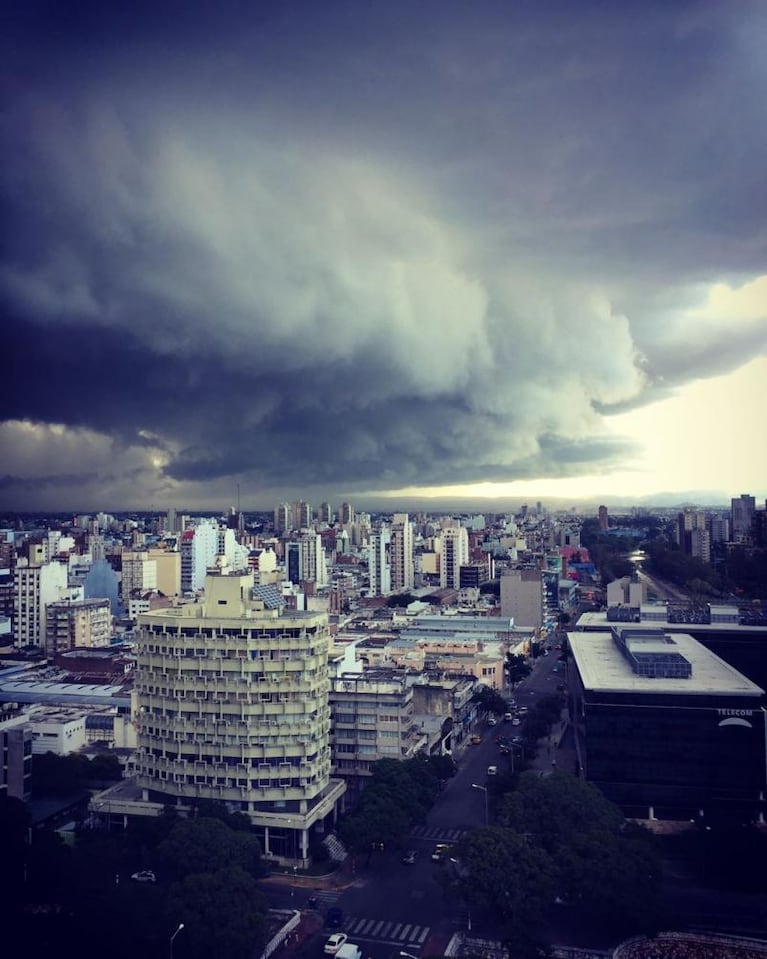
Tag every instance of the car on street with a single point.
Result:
(507, 718)
(146, 875)
(516, 721)
(492, 770)
(522, 711)
(334, 943)
(440, 851)
(410, 857)
(491, 721)
(476, 740)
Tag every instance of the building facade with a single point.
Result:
(401, 553)
(522, 596)
(454, 553)
(231, 700)
(82, 623)
(665, 727)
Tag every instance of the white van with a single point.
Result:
(349, 950)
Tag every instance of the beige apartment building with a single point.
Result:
(231, 704)
(85, 623)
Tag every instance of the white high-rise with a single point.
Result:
(34, 586)
(454, 553)
(401, 552)
(379, 567)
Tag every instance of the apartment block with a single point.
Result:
(231, 700)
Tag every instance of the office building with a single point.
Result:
(604, 522)
(231, 698)
(665, 726)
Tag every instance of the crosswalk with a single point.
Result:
(437, 833)
(386, 930)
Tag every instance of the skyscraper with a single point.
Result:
(603, 520)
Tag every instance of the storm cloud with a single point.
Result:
(330, 248)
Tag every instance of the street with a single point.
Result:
(392, 908)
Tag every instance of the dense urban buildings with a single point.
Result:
(269, 661)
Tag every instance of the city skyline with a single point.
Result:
(383, 254)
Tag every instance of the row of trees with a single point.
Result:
(398, 797)
(54, 775)
(207, 870)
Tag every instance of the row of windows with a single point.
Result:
(242, 631)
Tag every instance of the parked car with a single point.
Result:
(410, 857)
(146, 875)
(334, 943)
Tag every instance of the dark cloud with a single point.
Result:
(344, 247)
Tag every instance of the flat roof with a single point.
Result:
(598, 620)
(603, 668)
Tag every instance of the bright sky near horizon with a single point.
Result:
(339, 251)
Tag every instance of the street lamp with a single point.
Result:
(180, 927)
(484, 790)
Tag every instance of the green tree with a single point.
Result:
(224, 913)
(517, 668)
(503, 871)
(207, 845)
(489, 700)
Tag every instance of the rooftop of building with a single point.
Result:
(594, 620)
(604, 668)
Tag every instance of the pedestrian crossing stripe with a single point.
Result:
(438, 835)
(387, 930)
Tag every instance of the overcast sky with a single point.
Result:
(336, 250)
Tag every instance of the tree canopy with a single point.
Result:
(557, 838)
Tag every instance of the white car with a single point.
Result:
(334, 943)
(146, 875)
(492, 770)
(491, 721)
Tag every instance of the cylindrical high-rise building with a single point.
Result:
(231, 701)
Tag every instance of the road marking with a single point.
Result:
(395, 931)
(423, 935)
(377, 929)
(405, 931)
(367, 927)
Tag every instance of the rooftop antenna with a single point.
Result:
(238, 499)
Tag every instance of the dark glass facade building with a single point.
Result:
(665, 726)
